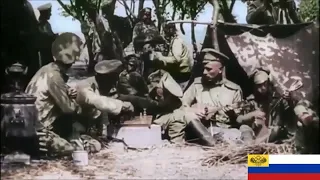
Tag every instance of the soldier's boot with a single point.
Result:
(278, 134)
(201, 132)
(299, 141)
(247, 134)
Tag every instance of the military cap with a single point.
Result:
(154, 79)
(213, 55)
(108, 66)
(168, 83)
(162, 79)
(45, 7)
(260, 77)
(67, 48)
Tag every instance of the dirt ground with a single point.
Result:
(166, 161)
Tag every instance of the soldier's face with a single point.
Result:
(262, 88)
(212, 70)
(131, 65)
(146, 15)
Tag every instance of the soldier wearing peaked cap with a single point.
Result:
(268, 106)
(272, 12)
(54, 100)
(94, 97)
(167, 93)
(46, 34)
(131, 81)
(207, 93)
(179, 61)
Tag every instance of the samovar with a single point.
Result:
(18, 114)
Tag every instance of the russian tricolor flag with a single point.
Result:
(291, 167)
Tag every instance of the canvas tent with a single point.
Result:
(289, 51)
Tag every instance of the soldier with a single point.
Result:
(55, 105)
(145, 26)
(130, 81)
(178, 63)
(207, 93)
(269, 106)
(167, 93)
(307, 135)
(272, 12)
(46, 34)
(93, 95)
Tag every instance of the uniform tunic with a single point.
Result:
(49, 86)
(90, 98)
(178, 58)
(223, 93)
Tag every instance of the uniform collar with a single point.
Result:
(57, 68)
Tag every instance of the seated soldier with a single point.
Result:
(209, 99)
(167, 93)
(130, 81)
(269, 108)
(307, 135)
(179, 62)
(56, 108)
(93, 95)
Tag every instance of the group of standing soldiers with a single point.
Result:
(208, 106)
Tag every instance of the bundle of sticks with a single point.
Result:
(235, 154)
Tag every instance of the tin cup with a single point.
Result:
(80, 158)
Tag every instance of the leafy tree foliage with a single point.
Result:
(309, 10)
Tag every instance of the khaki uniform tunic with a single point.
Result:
(223, 93)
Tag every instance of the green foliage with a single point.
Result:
(78, 8)
(189, 7)
(309, 10)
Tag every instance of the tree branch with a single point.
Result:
(124, 3)
(232, 5)
(65, 7)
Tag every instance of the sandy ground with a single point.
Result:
(166, 161)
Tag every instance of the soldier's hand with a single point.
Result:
(189, 116)
(258, 114)
(127, 107)
(200, 113)
(305, 118)
(286, 94)
(157, 55)
(72, 92)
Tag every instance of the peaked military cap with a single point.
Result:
(108, 66)
(213, 55)
(154, 79)
(66, 48)
(260, 77)
(171, 85)
(45, 7)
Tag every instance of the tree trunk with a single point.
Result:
(141, 3)
(193, 38)
(90, 53)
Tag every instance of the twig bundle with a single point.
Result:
(226, 154)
